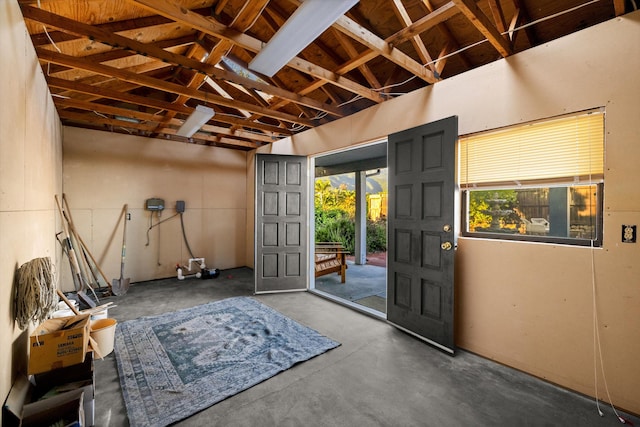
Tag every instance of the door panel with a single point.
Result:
(281, 223)
(422, 172)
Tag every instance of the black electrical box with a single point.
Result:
(154, 204)
(180, 206)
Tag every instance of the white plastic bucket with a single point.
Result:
(62, 313)
(103, 331)
(100, 315)
(62, 305)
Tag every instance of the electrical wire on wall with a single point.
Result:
(597, 344)
(152, 225)
(180, 208)
(184, 235)
(597, 347)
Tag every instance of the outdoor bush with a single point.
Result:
(377, 235)
(335, 226)
(334, 219)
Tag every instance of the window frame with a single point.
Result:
(597, 242)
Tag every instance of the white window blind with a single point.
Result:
(569, 149)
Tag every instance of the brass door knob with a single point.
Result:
(446, 246)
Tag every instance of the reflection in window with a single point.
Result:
(563, 211)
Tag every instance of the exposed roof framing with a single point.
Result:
(142, 66)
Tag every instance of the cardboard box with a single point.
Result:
(20, 411)
(58, 343)
(59, 381)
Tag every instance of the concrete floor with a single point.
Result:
(379, 376)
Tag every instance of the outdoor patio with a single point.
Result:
(365, 285)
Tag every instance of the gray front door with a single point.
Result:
(281, 256)
(422, 172)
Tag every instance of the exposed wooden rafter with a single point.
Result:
(141, 66)
(214, 28)
(168, 87)
(116, 40)
(470, 9)
(159, 105)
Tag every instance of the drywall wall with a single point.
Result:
(530, 305)
(103, 171)
(30, 175)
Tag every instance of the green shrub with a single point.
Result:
(334, 219)
(335, 226)
(377, 235)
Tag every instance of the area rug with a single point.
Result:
(176, 364)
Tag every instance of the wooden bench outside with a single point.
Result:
(331, 258)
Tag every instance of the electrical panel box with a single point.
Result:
(180, 206)
(154, 204)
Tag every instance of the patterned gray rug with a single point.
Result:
(176, 364)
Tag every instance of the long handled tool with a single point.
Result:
(73, 260)
(121, 286)
(85, 250)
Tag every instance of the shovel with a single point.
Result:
(121, 286)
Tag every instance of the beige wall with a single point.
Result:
(522, 304)
(30, 174)
(103, 171)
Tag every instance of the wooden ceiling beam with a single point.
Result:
(498, 15)
(515, 22)
(348, 46)
(479, 20)
(273, 19)
(114, 54)
(442, 58)
(93, 118)
(312, 84)
(112, 27)
(219, 139)
(357, 61)
(276, 103)
(248, 15)
(382, 47)
(216, 29)
(106, 109)
(157, 84)
(153, 118)
(431, 20)
(331, 77)
(450, 42)
(221, 4)
(160, 105)
(115, 40)
(195, 82)
(115, 84)
(416, 41)
(197, 139)
(522, 18)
